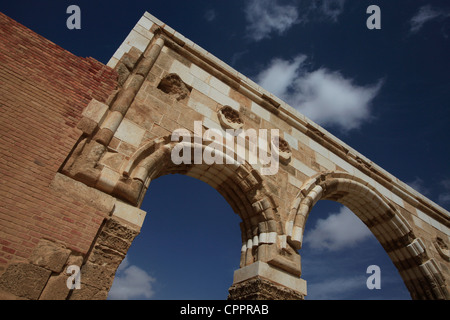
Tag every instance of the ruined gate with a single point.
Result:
(177, 109)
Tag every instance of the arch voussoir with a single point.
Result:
(421, 275)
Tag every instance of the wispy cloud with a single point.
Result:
(444, 196)
(131, 282)
(329, 9)
(330, 289)
(426, 14)
(265, 17)
(210, 15)
(338, 231)
(419, 185)
(237, 56)
(324, 96)
(268, 17)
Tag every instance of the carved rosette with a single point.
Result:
(282, 148)
(442, 248)
(229, 118)
(174, 86)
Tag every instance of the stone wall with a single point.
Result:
(43, 92)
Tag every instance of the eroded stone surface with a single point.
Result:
(24, 280)
(174, 86)
(261, 289)
(50, 255)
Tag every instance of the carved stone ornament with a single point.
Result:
(283, 149)
(442, 248)
(174, 86)
(229, 118)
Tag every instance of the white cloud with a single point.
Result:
(425, 14)
(280, 75)
(418, 185)
(339, 230)
(131, 282)
(330, 9)
(444, 197)
(335, 288)
(325, 97)
(265, 17)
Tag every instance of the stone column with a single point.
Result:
(261, 281)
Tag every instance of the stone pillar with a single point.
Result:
(261, 281)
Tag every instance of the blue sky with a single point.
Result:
(384, 92)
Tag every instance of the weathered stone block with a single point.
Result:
(56, 288)
(105, 256)
(96, 276)
(87, 292)
(50, 255)
(24, 280)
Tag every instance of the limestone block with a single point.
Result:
(199, 73)
(104, 256)
(112, 160)
(324, 162)
(122, 71)
(135, 39)
(56, 288)
(95, 276)
(121, 229)
(130, 58)
(93, 114)
(88, 292)
(182, 71)
(81, 192)
(24, 280)
(262, 269)
(219, 85)
(50, 255)
(292, 180)
(201, 86)
(145, 22)
(112, 62)
(129, 213)
(300, 136)
(130, 133)
(112, 121)
(87, 125)
(114, 242)
(223, 99)
(200, 108)
(120, 52)
(143, 31)
(260, 111)
(303, 168)
(291, 140)
(108, 179)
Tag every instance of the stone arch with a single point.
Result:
(421, 274)
(242, 186)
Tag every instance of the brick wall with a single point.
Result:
(43, 90)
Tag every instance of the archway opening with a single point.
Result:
(338, 248)
(188, 247)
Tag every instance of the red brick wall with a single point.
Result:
(43, 90)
